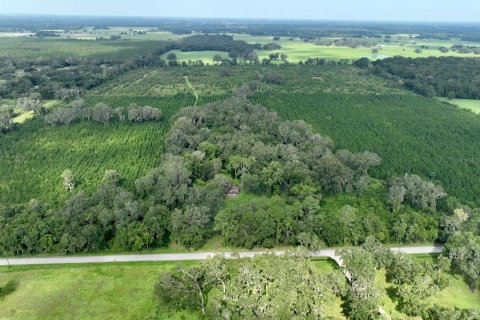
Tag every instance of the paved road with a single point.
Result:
(182, 256)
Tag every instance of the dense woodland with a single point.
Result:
(444, 77)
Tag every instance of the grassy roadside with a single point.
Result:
(116, 291)
(98, 291)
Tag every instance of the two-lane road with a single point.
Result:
(331, 253)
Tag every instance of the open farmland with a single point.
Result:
(300, 50)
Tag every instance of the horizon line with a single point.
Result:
(240, 18)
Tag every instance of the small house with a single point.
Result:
(234, 191)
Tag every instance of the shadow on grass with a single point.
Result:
(8, 288)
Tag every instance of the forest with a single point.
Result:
(119, 144)
(444, 77)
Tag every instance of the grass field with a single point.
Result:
(112, 291)
(125, 291)
(473, 105)
(68, 44)
(298, 50)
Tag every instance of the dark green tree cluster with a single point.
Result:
(101, 113)
(6, 118)
(362, 298)
(461, 232)
(263, 287)
(265, 154)
(163, 206)
(445, 77)
(218, 42)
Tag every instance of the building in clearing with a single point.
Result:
(234, 191)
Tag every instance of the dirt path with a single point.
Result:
(195, 93)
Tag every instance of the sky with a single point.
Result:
(360, 10)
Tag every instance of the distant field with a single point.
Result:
(125, 32)
(473, 105)
(67, 44)
(298, 50)
(15, 34)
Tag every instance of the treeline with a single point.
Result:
(217, 42)
(445, 77)
(101, 113)
(67, 78)
(209, 149)
(7, 113)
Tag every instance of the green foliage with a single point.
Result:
(266, 287)
(422, 136)
(445, 77)
(33, 157)
(25, 47)
(191, 226)
(464, 250)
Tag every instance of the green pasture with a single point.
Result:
(473, 105)
(299, 50)
(125, 291)
(98, 291)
